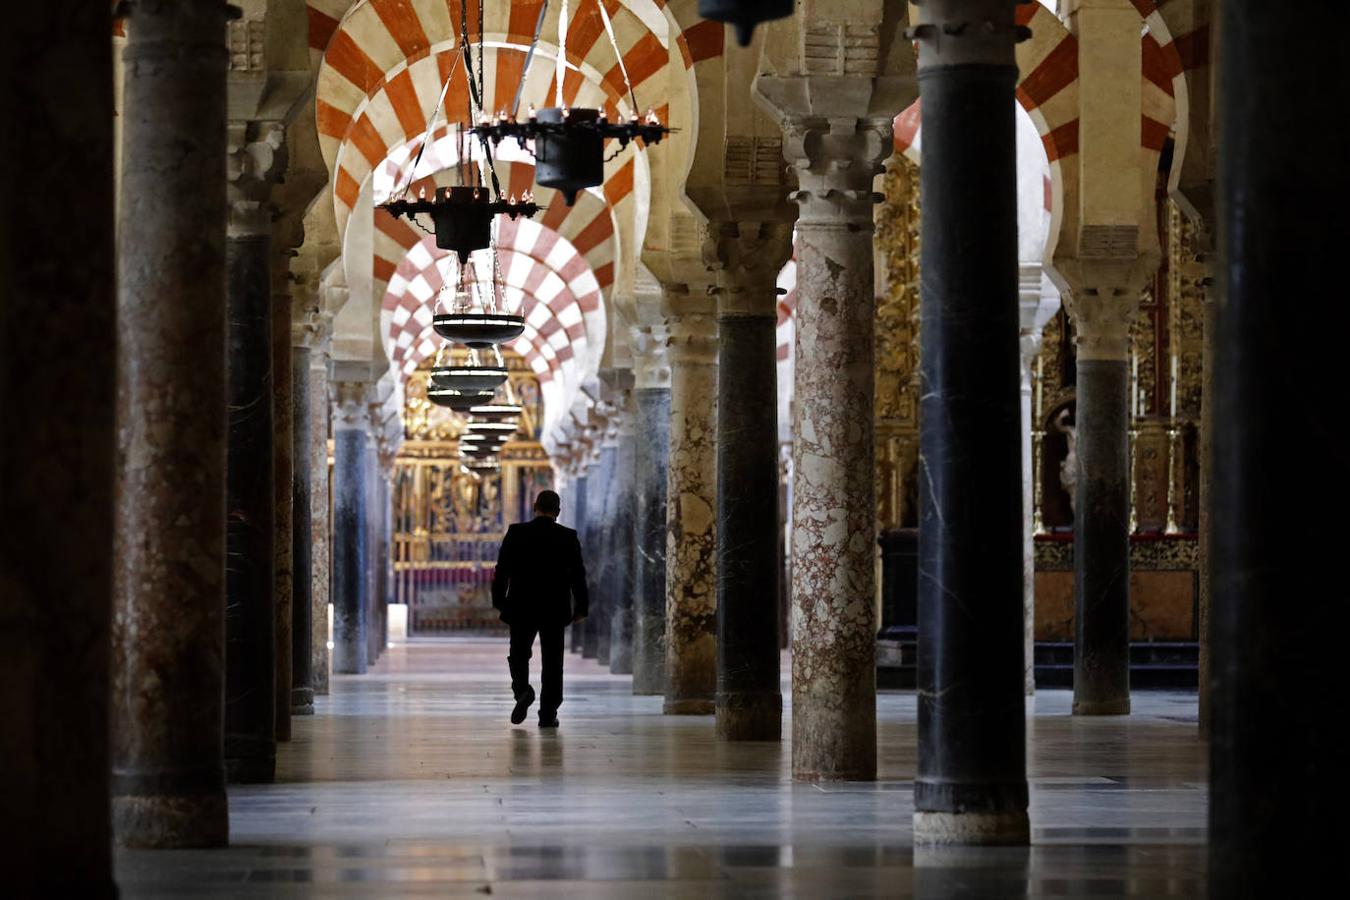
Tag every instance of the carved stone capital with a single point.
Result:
(651, 367)
(1103, 297)
(691, 340)
(351, 405)
(746, 258)
(254, 164)
(836, 161)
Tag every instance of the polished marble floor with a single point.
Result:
(410, 782)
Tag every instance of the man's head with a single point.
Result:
(548, 503)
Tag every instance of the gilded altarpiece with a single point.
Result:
(448, 521)
(897, 348)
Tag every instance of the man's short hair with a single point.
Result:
(548, 502)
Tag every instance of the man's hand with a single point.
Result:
(578, 619)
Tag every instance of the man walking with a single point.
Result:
(539, 588)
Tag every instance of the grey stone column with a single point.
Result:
(749, 696)
(169, 533)
(302, 625)
(1102, 300)
(622, 512)
(834, 620)
(595, 556)
(250, 561)
(602, 600)
(56, 457)
(691, 507)
(580, 495)
(320, 543)
(283, 499)
(351, 525)
(651, 400)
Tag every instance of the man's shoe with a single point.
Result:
(548, 720)
(522, 707)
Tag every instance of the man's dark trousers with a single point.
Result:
(551, 648)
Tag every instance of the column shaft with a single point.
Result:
(582, 526)
(283, 506)
(604, 576)
(320, 542)
(57, 454)
(971, 781)
(652, 454)
(595, 559)
(302, 628)
(169, 533)
(351, 544)
(622, 548)
(1277, 618)
(1101, 537)
(250, 627)
(749, 698)
(834, 620)
(691, 518)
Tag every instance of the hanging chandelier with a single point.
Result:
(457, 401)
(473, 376)
(569, 144)
(462, 214)
(482, 467)
(477, 323)
(744, 15)
(497, 412)
(491, 429)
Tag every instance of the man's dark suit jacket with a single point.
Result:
(540, 578)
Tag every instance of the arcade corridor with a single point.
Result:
(409, 781)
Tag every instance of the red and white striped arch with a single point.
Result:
(386, 61)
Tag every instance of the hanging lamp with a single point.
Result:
(744, 15)
(462, 214)
(504, 429)
(497, 412)
(477, 323)
(475, 375)
(482, 467)
(569, 143)
(457, 401)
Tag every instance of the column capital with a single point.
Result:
(1103, 296)
(351, 405)
(691, 339)
(255, 162)
(747, 257)
(651, 367)
(836, 161)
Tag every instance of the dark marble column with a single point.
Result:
(749, 697)
(283, 501)
(1101, 535)
(250, 563)
(651, 456)
(579, 495)
(56, 456)
(1278, 657)
(603, 610)
(351, 544)
(302, 626)
(691, 510)
(595, 558)
(971, 785)
(169, 535)
(378, 631)
(621, 549)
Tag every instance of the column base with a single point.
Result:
(749, 717)
(647, 685)
(249, 761)
(302, 702)
(1118, 706)
(171, 821)
(693, 707)
(1003, 829)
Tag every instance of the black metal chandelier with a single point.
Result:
(462, 215)
(496, 412)
(479, 324)
(744, 15)
(569, 143)
(473, 376)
